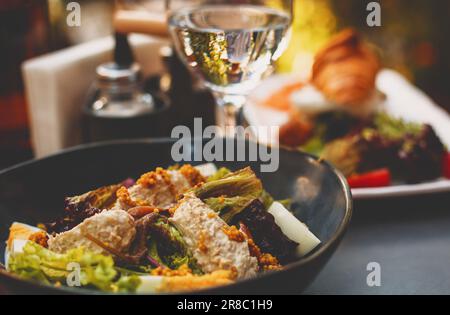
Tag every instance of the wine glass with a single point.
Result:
(231, 45)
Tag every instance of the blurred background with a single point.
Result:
(413, 39)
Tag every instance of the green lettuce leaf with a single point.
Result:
(168, 247)
(394, 128)
(231, 192)
(79, 208)
(96, 270)
(220, 204)
(153, 251)
(221, 173)
(314, 145)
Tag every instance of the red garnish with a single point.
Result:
(446, 165)
(378, 178)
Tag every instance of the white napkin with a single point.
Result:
(57, 84)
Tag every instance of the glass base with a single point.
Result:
(228, 112)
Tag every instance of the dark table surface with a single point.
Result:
(408, 237)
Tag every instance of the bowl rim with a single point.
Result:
(335, 238)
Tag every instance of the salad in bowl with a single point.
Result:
(178, 229)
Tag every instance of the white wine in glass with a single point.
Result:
(231, 45)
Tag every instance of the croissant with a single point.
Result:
(345, 70)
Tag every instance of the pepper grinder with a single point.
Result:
(118, 107)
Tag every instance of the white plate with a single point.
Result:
(403, 100)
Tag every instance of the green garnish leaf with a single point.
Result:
(394, 128)
(221, 173)
(231, 193)
(96, 270)
(168, 247)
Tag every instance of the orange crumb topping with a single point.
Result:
(173, 209)
(184, 270)
(39, 238)
(269, 262)
(166, 178)
(234, 234)
(212, 215)
(253, 248)
(123, 195)
(202, 242)
(192, 175)
(194, 282)
(149, 179)
(152, 178)
(265, 261)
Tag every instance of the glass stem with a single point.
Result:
(228, 112)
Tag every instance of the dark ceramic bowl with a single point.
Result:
(33, 192)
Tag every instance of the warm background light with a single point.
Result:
(314, 22)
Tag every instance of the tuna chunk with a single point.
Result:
(159, 188)
(203, 232)
(114, 228)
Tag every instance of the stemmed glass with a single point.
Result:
(231, 45)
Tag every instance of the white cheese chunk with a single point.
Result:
(18, 237)
(16, 248)
(294, 229)
(149, 284)
(207, 170)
